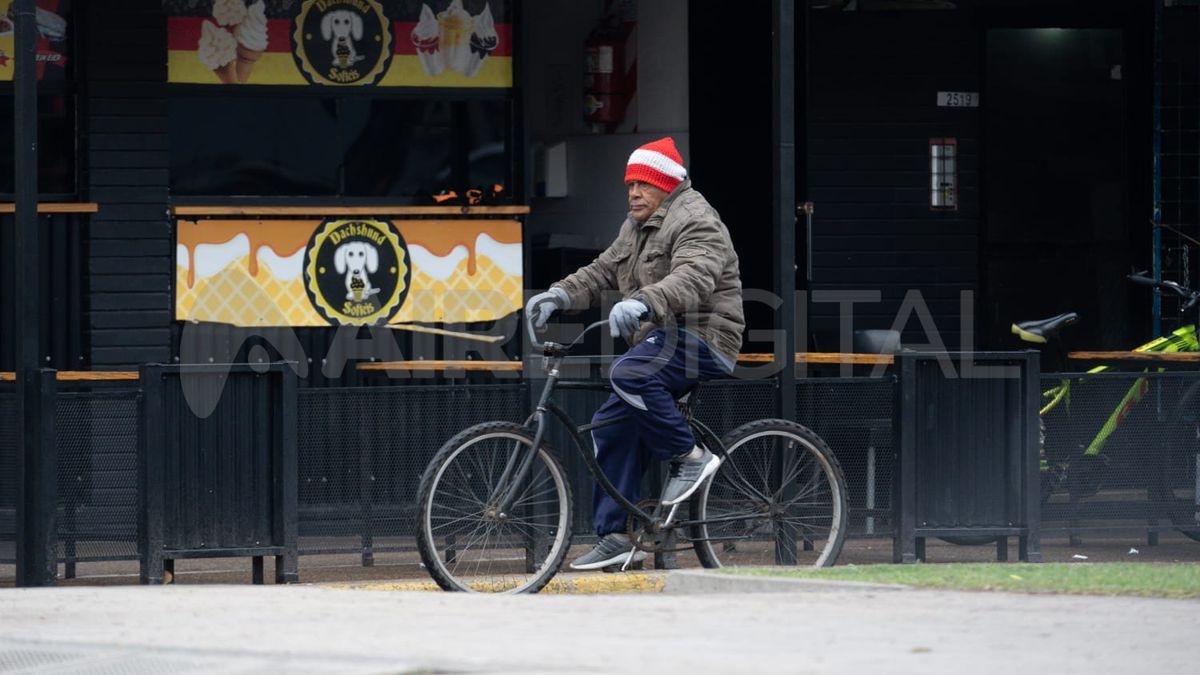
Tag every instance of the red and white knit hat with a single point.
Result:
(657, 163)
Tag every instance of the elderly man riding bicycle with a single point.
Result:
(674, 264)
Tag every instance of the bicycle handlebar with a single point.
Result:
(552, 348)
(1189, 296)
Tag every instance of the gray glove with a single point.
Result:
(542, 306)
(626, 316)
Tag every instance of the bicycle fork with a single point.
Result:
(516, 469)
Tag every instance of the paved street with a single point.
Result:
(302, 628)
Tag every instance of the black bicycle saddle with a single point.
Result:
(1045, 329)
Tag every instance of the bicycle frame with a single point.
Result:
(518, 465)
(1181, 340)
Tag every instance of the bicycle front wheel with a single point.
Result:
(779, 498)
(467, 541)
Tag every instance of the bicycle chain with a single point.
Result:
(645, 540)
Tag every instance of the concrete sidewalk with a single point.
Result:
(303, 628)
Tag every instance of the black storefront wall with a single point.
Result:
(61, 277)
(874, 78)
(123, 131)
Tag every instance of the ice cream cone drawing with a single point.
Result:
(455, 26)
(251, 36)
(483, 41)
(218, 51)
(425, 38)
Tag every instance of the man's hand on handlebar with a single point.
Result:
(626, 316)
(542, 306)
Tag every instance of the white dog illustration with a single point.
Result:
(341, 28)
(355, 259)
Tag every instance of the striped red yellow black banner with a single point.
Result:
(446, 46)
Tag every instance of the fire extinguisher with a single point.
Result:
(604, 97)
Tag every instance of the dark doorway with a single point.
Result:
(730, 122)
(1056, 228)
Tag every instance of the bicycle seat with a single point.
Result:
(1044, 330)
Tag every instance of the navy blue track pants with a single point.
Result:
(646, 381)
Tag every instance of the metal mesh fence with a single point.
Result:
(363, 450)
(854, 417)
(97, 438)
(1121, 451)
(8, 481)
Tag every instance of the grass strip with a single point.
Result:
(1151, 580)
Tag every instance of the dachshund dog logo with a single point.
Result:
(342, 42)
(356, 259)
(357, 272)
(341, 28)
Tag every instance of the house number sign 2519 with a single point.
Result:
(958, 99)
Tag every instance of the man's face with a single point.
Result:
(644, 200)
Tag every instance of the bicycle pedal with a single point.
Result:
(670, 516)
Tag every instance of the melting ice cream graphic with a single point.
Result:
(251, 36)
(453, 40)
(483, 41)
(425, 38)
(218, 50)
(455, 26)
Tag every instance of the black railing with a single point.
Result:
(1122, 453)
(361, 452)
(217, 467)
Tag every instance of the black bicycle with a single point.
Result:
(495, 502)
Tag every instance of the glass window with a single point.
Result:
(943, 174)
(254, 146)
(56, 144)
(406, 149)
(397, 148)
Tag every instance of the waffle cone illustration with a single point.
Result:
(426, 37)
(228, 72)
(246, 58)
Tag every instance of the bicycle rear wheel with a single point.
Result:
(466, 543)
(779, 498)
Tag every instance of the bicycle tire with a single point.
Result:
(517, 552)
(778, 528)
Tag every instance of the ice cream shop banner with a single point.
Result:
(340, 43)
(52, 18)
(347, 271)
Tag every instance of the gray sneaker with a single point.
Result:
(610, 550)
(687, 475)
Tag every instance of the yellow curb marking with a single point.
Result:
(593, 584)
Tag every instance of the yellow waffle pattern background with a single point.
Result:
(235, 297)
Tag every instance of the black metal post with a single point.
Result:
(783, 58)
(287, 481)
(37, 489)
(36, 564)
(152, 439)
(904, 499)
(1030, 545)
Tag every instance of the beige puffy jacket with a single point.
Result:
(681, 263)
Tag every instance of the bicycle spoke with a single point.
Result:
(772, 501)
(466, 544)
